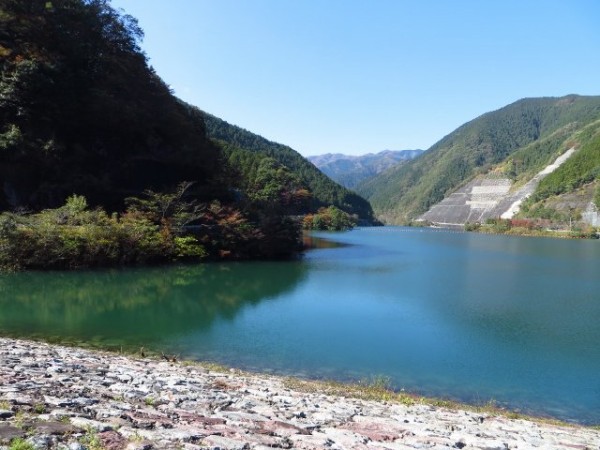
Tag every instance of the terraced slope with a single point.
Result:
(488, 196)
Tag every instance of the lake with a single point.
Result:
(463, 316)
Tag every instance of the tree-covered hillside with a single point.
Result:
(88, 129)
(582, 168)
(82, 112)
(402, 193)
(325, 192)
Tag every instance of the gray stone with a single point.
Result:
(76, 446)
(9, 432)
(92, 424)
(40, 442)
(144, 445)
(224, 443)
(174, 407)
(54, 428)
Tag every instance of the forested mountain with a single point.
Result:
(82, 112)
(324, 191)
(531, 130)
(87, 128)
(349, 170)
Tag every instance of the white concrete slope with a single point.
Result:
(488, 196)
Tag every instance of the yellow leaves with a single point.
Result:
(4, 52)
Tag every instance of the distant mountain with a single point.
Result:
(518, 140)
(325, 192)
(350, 170)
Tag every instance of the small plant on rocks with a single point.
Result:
(20, 444)
(91, 440)
(39, 408)
(19, 419)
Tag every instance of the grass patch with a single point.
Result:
(39, 408)
(19, 419)
(91, 440)
(20, 444)
(377, 389)
(65, 419)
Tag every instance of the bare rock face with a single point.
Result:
(64, 398)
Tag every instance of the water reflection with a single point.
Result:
(465, 316)
(137, 306)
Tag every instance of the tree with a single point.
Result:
(168, 209)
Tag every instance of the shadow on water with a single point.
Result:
(135, 307)
(312, 242)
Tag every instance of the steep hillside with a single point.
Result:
(325, 191)
(572, 191)
(350, 170)
(87, 128)
(581, 169)
(401, 194)
(82, 112)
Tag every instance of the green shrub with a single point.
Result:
(20, 444)
(331, 218)
(472, 226)
(155, 230)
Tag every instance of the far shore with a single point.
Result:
(562, 233)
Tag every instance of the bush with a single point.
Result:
(472, 226)
(73, 236)
(331, 218)
(158, 229)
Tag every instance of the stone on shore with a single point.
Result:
(60, 398)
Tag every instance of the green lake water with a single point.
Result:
(464, 316)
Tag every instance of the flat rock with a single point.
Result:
(279, 428)
(9, 432)
(221, 443)
(54, 428)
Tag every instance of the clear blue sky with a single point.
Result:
(354, 77)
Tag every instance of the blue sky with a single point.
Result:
(346, 76)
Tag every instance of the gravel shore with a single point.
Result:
(54, 397)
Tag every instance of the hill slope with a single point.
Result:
(325, 191)
(349, 170)
(82, 112)
(403, 193)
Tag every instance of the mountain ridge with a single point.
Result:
(403, 193)
(325, 191)
(350, 170)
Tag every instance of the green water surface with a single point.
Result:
(465, 316)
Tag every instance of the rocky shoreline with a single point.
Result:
(54, 397)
